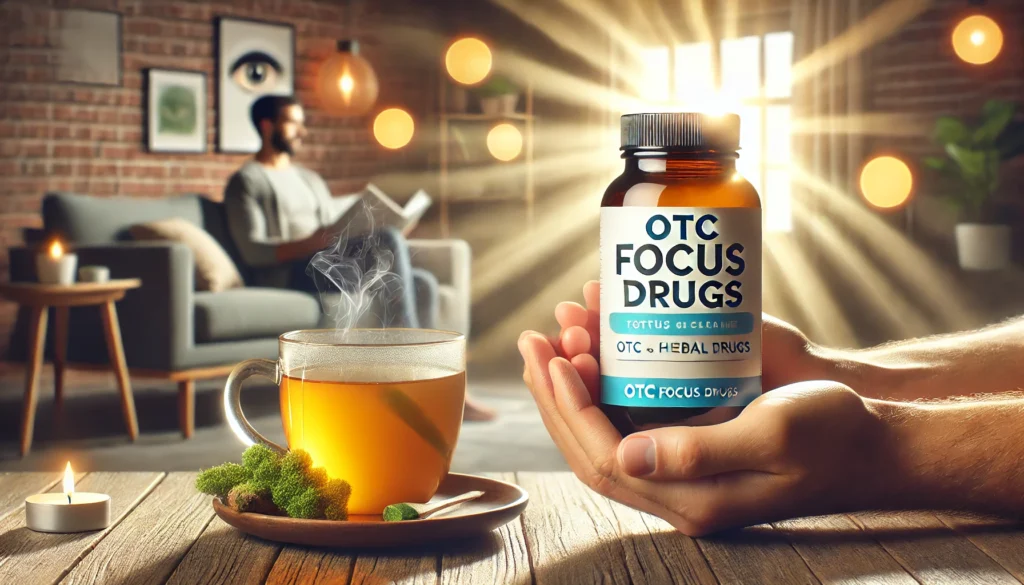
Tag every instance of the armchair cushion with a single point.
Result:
(248, 313)
(215, 272)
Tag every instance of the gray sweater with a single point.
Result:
(256, 220)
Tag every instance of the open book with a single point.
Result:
(371, 208)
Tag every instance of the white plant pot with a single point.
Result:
(490, 106)
(982, 246)
(508, 103)
(499, 105)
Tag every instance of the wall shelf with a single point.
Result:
(449, 191)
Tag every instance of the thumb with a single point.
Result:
(681, 453)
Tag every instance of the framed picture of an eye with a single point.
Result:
(254, 58)
(175, 111)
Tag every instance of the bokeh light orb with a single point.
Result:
(468, 61)
(977, 39)
(393, 128)
(886, 182)
(505, 142)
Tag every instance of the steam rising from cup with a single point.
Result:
(353, 273)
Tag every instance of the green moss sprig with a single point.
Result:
(269, 483)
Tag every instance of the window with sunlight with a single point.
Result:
(748, 75)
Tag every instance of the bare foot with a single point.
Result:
(477, 412)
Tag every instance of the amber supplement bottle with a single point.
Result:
(680, 276)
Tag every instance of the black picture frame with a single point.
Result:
(226, 141)
(150, 137)
(119, 40)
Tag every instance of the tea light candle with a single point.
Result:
(55, 266)
(68, 511)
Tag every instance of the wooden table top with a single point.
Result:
(79, 293)
(163, 531)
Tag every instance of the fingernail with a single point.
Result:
(638, 456)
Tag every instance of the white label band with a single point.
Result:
(680, 306)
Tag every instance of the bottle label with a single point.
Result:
(680, 306)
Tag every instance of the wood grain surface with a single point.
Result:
(163, 531)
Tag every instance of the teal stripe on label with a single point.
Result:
(683, 323)
(679, 393)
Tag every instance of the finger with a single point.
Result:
(588, 425)
(569, 314)
(538, 353)
(582, 427)
(586, 367)
(592, 295)
(686, 453)
(575, 341)
(555, 342)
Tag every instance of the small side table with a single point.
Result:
(40, 297)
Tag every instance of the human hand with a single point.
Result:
(805, 449)
(787, 356)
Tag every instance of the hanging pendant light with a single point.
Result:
(347, 83)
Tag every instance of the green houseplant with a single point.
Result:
(498, 95)
(972, 164)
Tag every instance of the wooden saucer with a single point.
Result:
(501, 503)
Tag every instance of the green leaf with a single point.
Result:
(993, 162)
(996, 114)
(950, 130)
(971, 162)
(936, 163)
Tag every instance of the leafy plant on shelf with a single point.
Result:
(496, 86)
(974, 157)
(269, 483)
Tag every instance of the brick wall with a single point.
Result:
(916, 71)
(89, 139)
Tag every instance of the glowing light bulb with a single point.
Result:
(346, 84)
(505, 142)
(393, 128)
(977, 39)
(468, 60)
(886, 182)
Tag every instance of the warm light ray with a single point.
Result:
(609, 23)
(564, 33)
(421, 46)
(879, 24)
(512, 258)
(538, 310)
(820, 315)
(697, 17)
(732, 18)
(918, 273)
(868, 280)
(873, 124)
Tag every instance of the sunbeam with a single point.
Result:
(879, 24)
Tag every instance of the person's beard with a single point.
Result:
(282, 144)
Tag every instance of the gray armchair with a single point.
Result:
(171, 331)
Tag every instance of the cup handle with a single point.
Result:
(233, 406)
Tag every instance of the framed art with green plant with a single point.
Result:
(974, 156)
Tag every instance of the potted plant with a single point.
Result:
(973, 161)
(498, 96)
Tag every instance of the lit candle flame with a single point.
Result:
(56, 250)
(69, 481)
